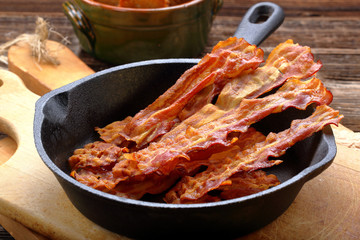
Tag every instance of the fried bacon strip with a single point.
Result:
(256, 157)
(285, 61)
(97, 155)
(96, 178)
(163, 156)
(113, 132)
(238, 185)
(152, 184)
(200, 158)
(103, 180)
(246, 183)
(92, 164)
(227, 60)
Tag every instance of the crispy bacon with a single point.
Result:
(92, 165)
(238, 185)
(285, 61)
(256, 157)
(227, 60)
(200, 158)
(164, 155)
(152, 184)
(96, 178)
(104, 180)
(97, 154)
(246, 183)
(207, 152)
(206, 96)
(112, 132)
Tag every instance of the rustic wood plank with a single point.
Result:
(41, 6)
(334, 40)
(330, 27)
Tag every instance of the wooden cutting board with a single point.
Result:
(21, 200)
(41, 78)
(328, 207)
(29, 192)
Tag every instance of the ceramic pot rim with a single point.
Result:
(141, 10)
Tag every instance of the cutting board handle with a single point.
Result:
(17, 106)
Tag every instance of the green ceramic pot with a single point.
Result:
(122, 35)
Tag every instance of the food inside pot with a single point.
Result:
(143, 3)
(198, 142)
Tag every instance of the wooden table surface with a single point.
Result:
(330, 27)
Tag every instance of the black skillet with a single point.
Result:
(65, 119)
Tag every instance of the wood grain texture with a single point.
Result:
(42, 78)
(331, 28)
(29, 192)
(7, 148)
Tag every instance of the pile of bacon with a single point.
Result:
(196, 142)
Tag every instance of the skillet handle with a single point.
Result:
(259, 22)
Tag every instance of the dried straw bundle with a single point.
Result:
(37, 43)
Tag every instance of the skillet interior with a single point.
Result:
(65, 119)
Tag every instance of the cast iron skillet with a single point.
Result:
(65, 119)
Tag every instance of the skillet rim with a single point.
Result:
(300, 178)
